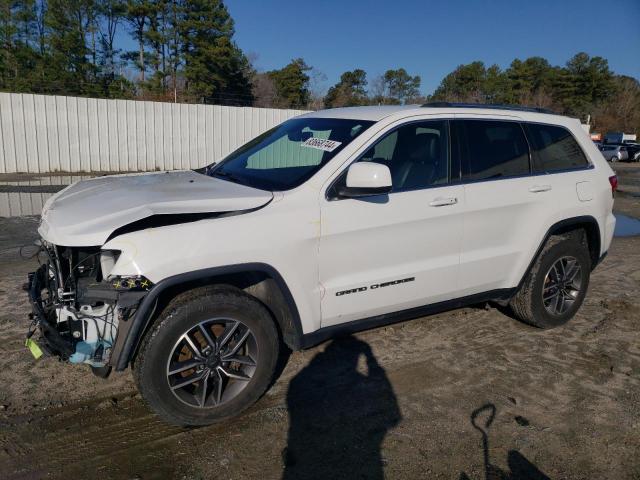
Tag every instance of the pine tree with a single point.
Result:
(172, 37)
(155, 40)
(591, 82)
(292, 84)
(137, 14)
(529, 79)
(21, 52)
(465, 84)
(349, 91)
(111, 14)
(8, 64)
(401, 85)
(112, 83)
(70, 69)
(215, 69)
(496, 87)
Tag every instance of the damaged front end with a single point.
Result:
(77, 307)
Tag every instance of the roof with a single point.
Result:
(373, 113)
(488, 106)
(377, 113)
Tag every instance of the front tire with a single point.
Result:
(554, 289)
(210, 355)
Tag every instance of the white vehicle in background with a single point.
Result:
(614, 153)
(332, 222)
(619, 137)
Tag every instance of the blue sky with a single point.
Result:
(430, 38)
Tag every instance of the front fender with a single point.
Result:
(130, 332)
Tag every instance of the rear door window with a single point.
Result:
(553, 148)
(488, 149)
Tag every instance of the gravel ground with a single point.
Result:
(468, 394)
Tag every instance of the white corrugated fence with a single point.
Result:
(26, 196)
(43, 134)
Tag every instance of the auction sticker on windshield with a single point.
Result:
(321, 144)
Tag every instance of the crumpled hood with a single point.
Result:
(87, 212)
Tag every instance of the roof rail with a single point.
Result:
(487, 105)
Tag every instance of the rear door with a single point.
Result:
(502, 201)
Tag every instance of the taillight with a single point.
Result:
(613, 180)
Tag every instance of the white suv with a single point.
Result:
(332, 222)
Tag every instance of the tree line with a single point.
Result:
(184, 47)
(584, 87)
(184, 51)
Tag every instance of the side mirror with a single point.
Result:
(365, 179)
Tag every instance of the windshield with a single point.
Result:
(289, 154)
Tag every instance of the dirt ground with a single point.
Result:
(469, 394)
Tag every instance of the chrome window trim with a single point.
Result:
(460, 181)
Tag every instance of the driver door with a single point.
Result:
(387, 253)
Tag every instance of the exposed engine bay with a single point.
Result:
(76, 306)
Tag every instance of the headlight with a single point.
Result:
(131, 283)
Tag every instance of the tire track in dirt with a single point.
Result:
(75, 439)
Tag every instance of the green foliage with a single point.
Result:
(185, 50)
(68, 65)
(401, 86)
(469, 83)
(214, 67)
(20, 53)
(528, 78)
(291, 84)
(587, 82)
(136, 14)
(68, 47)
(582, 87)
(349, 91)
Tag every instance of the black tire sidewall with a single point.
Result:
(565, 248)
(174, 322)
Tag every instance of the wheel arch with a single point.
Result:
(260, 280)
(585, 222)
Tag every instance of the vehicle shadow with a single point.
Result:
(340, 408)
(519, 467)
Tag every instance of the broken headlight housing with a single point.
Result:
(108, 259)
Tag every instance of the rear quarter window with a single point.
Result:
(553, 148)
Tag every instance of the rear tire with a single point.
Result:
(556, 285)
(221, 340)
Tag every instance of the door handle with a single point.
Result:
(442, 202)
(540, 188)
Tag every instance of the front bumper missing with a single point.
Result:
(61, 344)
(50, 341)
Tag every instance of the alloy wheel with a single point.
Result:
(212, 362)
(562, 285)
